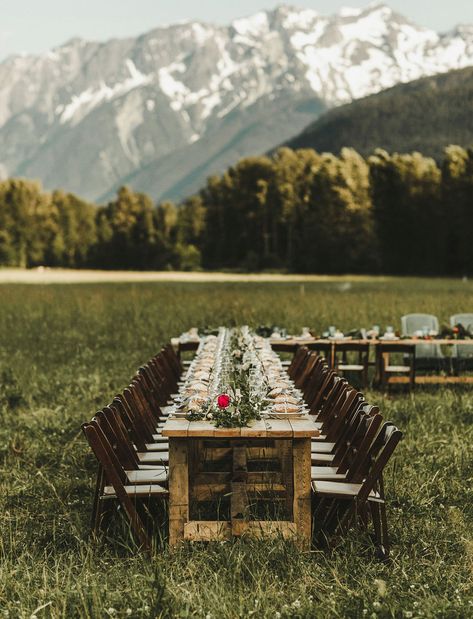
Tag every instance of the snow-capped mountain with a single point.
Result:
(167, 108)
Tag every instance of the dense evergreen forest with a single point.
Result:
(299, 211)
(423, 115)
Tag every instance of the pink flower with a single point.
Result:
(223, 400)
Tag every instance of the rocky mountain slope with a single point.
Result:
(165, 109)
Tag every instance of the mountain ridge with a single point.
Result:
(425, 115)
(159, 108)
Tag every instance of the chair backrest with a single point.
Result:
(112, 426)
(416, 322)
(319, 390)
(352, 346)
(379, 454)
(297, 360)
(335, 418)
(397, 347)
(322, 348)
(359, 446)
(360, 351)
(465, 320)
(305, 370)
(104, 453)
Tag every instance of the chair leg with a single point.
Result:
(136, 523)
(349, 511)
(378, 515)
(97, 508)
(384, 527)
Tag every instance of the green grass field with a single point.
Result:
(66, 350)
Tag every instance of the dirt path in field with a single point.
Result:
(65, 276)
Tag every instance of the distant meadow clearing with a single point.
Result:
(65, 350)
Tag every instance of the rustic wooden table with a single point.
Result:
(291, 344)
(193, 444)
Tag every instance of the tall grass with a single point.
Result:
(66, 350)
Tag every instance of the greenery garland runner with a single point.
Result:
(239, 384)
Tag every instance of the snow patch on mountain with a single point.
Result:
(175, 85)
(86, 101)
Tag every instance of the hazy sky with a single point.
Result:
(36, 25)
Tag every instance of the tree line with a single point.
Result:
(299, 211)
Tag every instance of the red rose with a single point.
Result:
(223, 400)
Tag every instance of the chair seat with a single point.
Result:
(147, 477)
(136, 491)
(159, 446)
(341, 489)
(324, 448)
(352, 368)
(319, 457)
(326, 472)
(397, 368)
(151, 467)
(153, 456)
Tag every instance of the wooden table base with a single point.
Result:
(189, 482)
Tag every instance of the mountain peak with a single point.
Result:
(185, 100)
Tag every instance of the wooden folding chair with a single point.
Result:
(362, 496)
(390, 373)
(111, 425)
(342, 353)
(119, 489)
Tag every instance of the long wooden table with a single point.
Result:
(195, 444)
(291, 344)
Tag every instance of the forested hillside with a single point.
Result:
(299, 211)
(425, 115)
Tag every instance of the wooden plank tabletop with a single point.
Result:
(305, 341)
(264, 428)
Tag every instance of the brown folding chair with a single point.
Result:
(390, 373)
(363, 495)
(117, 486)
(344, 362)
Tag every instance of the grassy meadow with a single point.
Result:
(65, 350)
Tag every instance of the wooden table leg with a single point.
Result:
(284, 449)
(301, 462)
(178, 489)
